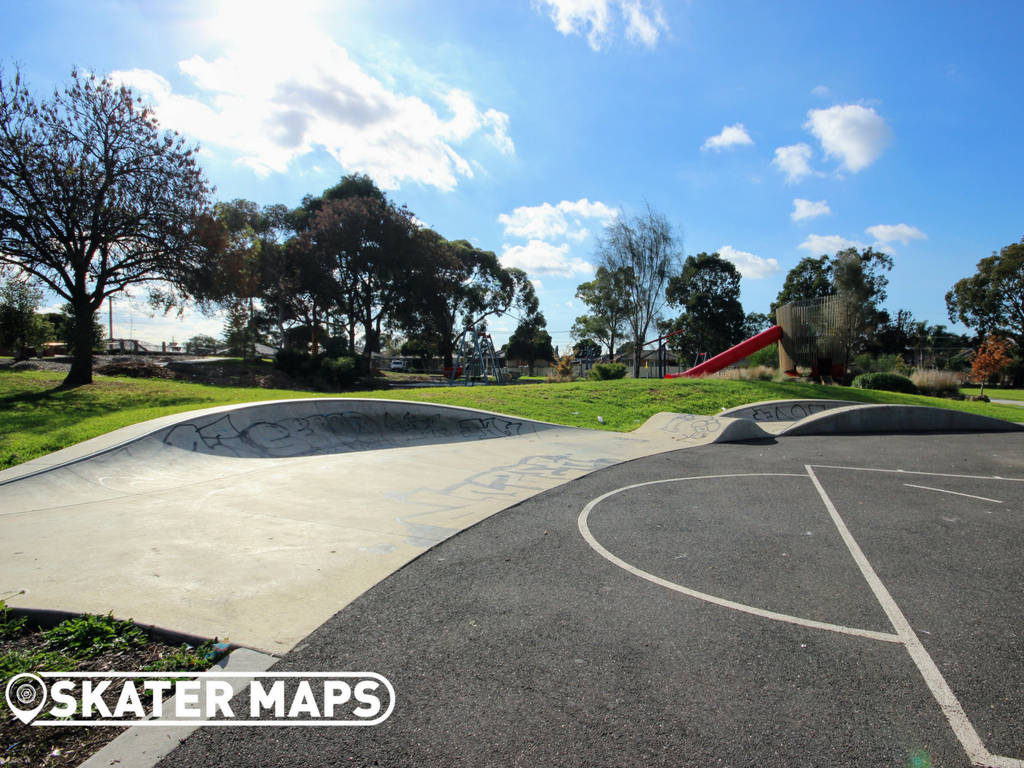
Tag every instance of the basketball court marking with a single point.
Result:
(954, 493)
(929, 474)
(905, 635)
(596, 545)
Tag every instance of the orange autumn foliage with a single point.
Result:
(992, 356)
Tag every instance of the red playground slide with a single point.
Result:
(732, 355)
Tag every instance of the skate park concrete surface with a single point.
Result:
(756, 599)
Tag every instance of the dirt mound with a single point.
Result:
(135, 368)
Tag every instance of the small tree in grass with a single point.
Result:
(992, 356)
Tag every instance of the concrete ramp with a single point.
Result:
(869, 417)
(794, 418)
(774, 411)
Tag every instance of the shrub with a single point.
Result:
(865, 363)
(937, 383)
(294, 362)
(564, 372)
(890, 364)
(341, 371)
(607, 372)
(889, 382)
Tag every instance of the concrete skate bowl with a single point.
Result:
(203, 445)
(313, 427)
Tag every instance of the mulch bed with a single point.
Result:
(68, 747)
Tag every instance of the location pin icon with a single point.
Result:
(22, 692)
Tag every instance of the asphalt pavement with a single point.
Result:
(818, 601)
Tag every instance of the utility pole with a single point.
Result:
(110, 315)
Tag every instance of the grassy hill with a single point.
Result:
(38, 417)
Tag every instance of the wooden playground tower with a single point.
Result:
(815, 334)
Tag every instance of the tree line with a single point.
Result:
(95, 198)
(350, 267)
(641, 275)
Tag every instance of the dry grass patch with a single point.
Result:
(937, 383)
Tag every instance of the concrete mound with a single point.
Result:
(866, 418)
(782, 410)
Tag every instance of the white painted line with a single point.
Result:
(582, 522)
(929, 474)
(943, 490)
(943, 694)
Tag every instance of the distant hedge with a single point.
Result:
(888, 382)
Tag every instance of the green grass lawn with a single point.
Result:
(38, 417)
(993, 392)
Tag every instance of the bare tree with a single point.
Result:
(94, 197)
(645, 247)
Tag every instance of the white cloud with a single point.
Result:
(887, 233)
(283, 89)
(805, 209)
(538, 285)
(821, 90)
(538, 257)
(730, 136)
(570, 305)
(856, 135)
(748, 264)
(538, 221)
(792, 161)
(547, 222)
(643, 25)
(644, 20)
(819, 245)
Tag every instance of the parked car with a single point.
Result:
(399, 365)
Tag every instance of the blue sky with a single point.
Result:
(765, 131)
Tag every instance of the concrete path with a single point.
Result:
(1017, 403)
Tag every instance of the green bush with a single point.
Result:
(294, 362)
(606, 372)
(341, 371)
(881, 364)
(889, 382)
